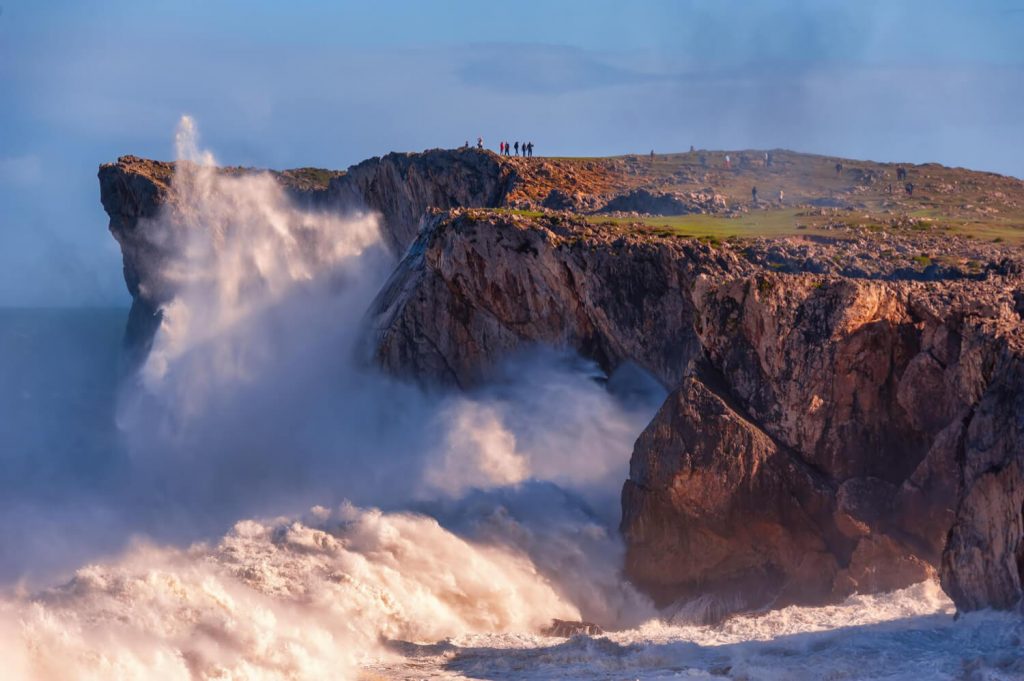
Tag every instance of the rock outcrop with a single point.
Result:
(845, 413)
(475, 287)
(399, 187)
(666, 203)
(825, 434)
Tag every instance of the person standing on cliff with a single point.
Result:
(782, 196)
(479, 142)
(753, 194)
(516, 147)
(839, 169)
(728, 161)
(529, 145)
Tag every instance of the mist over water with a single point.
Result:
(498, 507)
(257, 502)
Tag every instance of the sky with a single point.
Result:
(307, 83)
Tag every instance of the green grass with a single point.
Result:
(1007, 227)
(790, 222)
(757, 223)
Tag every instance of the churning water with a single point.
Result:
(385, 532)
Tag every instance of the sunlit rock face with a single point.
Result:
(837, 423)
(818, 441)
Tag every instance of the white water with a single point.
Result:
(499, 513)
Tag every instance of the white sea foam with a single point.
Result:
(500, 506)
(357, 593)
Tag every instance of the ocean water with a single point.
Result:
(257, 502)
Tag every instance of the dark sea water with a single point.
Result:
(59, 454)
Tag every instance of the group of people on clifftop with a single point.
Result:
(526, 147)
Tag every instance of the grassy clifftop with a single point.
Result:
(817, 197)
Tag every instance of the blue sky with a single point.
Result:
(285, 84)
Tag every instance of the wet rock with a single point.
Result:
(568, 629)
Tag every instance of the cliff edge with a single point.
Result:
(846, 406)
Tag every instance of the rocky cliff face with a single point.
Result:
(399, 187)
(475, 287)
(826, 434)
(840, 418)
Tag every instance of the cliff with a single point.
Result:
(825, 433)
(398, 187)
(846, 404)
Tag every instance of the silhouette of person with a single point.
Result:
(516, 147)
(531, 149)
(910, 188)
(839, 168)
(479, 142)
(753, 194)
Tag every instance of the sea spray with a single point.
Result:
(481, 516)
(499, 504)
(242, 250)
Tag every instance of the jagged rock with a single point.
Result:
(401, 187)
(568, 629)
(849, 398)
(714, 507)
(666, 203)
(845, 413)
(474, 288)
(558, 199)
(983, 561)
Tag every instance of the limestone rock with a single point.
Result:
(666, 203)
(826, 433)
(845, 415)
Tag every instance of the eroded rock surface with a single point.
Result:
(667, 203)
(475, 287)
(846, 413)
(826, 434)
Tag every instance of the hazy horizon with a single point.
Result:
(328, 85)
